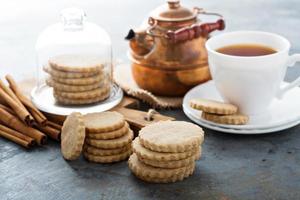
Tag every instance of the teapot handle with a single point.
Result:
(196, 30)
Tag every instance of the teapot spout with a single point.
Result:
(140, 42)
(130, 35)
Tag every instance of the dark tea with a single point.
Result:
(246, 50)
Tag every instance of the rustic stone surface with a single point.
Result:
(232, 166)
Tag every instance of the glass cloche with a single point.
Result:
(74, 59)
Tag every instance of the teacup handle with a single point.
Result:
(292, 60)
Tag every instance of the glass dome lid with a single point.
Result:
(74, 61)
(73, 35)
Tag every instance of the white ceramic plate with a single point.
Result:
(280, 113)
(43, 99)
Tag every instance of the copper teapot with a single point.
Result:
(168, 56)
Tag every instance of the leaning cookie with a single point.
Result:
(214, 107)
(235, 119)
(72, 136)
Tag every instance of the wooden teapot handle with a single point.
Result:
(195, 31)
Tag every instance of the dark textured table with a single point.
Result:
(232, 166)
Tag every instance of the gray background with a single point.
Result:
(232, 166)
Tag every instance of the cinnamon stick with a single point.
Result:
(7, 109)
(23, 114)
(2, 101)
(33, 112)
(50, 131)
(26, 141)
(58, 119)
(15, 139)
(13, 122)
(38, 116)
(10, 93)
(54, 125)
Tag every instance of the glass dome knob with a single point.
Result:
(73, 19)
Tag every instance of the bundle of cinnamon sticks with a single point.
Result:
(20, 121)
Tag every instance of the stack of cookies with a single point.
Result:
(166, 151)
(103, 137)
(108, 137)
(77, 79)
(219, 112)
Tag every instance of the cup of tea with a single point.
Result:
(248, 68)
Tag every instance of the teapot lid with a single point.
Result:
(173, 11)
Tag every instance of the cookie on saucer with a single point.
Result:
(213, 107)
(234, 119)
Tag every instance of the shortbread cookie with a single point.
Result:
(172, 179)
(80, 81)
(172, 164)
(108, 159)
(109, 135)
(215, 107)
(76, 63)
(98, 92)
(61, 74)
(171, 136)
(67, 101)
(72, 136)
(145, 153)
(113, 143)
(103, 122)
(142, 170)
(105, 152)
(235, 119)
(71, 88)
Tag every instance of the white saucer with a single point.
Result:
(43, 99)
(240, 131)
(281, 114)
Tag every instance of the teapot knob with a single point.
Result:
(173, 4)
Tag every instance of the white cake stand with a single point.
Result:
(43, 99)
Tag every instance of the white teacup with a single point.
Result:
(251, 83)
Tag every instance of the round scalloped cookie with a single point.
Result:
(76, 63)
(171, 136)
(103, 121)
(72, 136)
